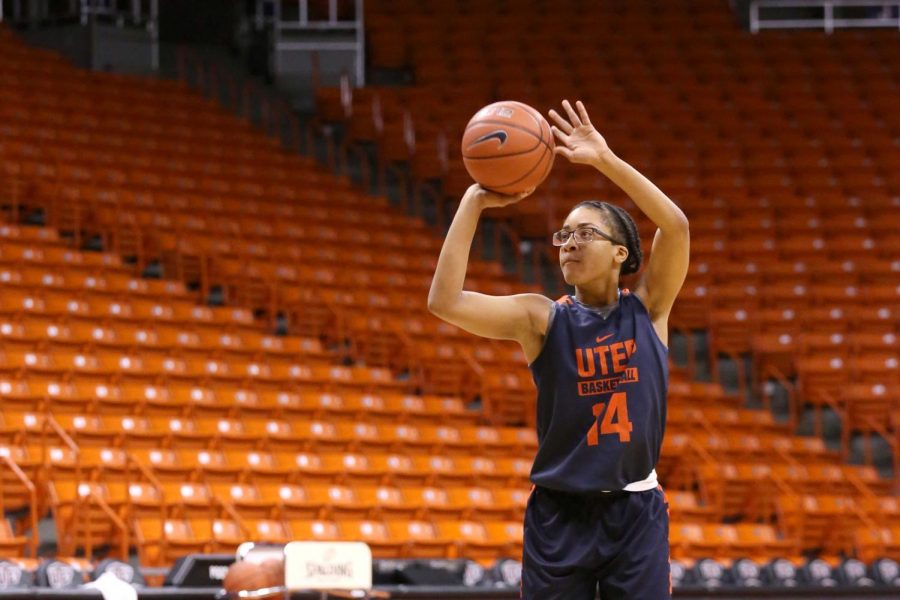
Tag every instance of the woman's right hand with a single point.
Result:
(487, 199)
(577, 139)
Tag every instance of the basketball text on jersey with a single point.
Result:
(607, 359)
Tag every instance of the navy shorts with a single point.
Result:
(574, 543)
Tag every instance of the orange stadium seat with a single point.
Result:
(882, 509)
(816, 521)
(225, 535)
(399, 469)
(435, 502)
(683, 506)
(481, 503)
(389, 502)
(162, 542)
(144, 500)
(291, 501)
(78, 508)
(354, 468)
(246, 499)
(684, 539)
(472, 539)
(376, 535)
(269, 531)
(338, 502)
(761, 542)
(315, 530)
(421, 539)
(741, 489)
(11, 544)
(873, 543)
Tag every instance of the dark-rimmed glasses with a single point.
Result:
(584, 234)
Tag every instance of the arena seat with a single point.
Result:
(472, 539)
(315, 530)
(375, 534)
(11, 544)
(421, 539)
(161, 542)
(291, 501)
(269, 531)
(389, 502)
(684, 507)
(818, 521)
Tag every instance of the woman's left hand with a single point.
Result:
(576, 138)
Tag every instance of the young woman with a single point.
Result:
(597, 515)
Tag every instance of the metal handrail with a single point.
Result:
(138, 12)
(79, 517)
(51, 424)
(32, 508)
(891, 441)
(828, 21)
(303, 23)
(793, 408)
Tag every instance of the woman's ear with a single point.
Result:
(621, 255)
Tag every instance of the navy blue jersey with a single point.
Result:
(601, 404)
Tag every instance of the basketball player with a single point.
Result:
(596, 515)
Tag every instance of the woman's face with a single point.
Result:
(582, 262)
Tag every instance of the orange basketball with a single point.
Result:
(245, 576)
(274, 571)
(508, 147)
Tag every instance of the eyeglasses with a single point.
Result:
(583, 235)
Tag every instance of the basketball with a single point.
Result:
(246, 576)
(507, 147)
(274, 572)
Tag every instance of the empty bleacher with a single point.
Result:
(142, 416)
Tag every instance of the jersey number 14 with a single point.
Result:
(612, 418)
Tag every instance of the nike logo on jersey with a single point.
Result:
(494, 135)
(605, 337)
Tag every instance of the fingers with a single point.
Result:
(574, 119)
(525, 194)
(492, 198)
(512, 198)
(508, 199)
(560, 122)
(560, 136)
(561, 148)
(582, 113)
(563, 151)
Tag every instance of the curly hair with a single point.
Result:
(625, 229)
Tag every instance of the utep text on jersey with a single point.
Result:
(601, 405)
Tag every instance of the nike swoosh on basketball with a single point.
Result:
(498, 135)
(605, 337)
